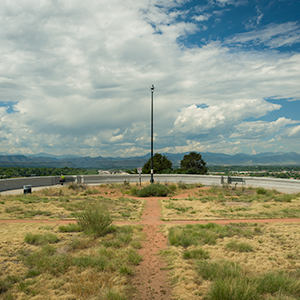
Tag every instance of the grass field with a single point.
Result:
(227, 203)
(208, 261)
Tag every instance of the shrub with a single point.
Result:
(95, 220)
(126, 184)
(182, 185)
(155, 190)
(261, 191)
(172, 187)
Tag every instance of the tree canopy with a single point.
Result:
(193, 164)
(161, 165)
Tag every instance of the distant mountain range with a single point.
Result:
(212, 159)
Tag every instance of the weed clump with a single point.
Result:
(261, 191)
(239, 247)
(152, 190)
(201, 234)
(196, 254)
(95, 220)
(39, 239)
(77, 187)
(69, 228)
(230, 282)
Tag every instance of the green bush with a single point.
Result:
(182, 185)
(134, 191)
(154, 190)
(95, 220)
(172, 187)
(261, 191)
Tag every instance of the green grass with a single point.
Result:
(95, 220)
(281, 281)
(71, 227)
(230, 282)
(7, 282)
(233, 288)
(239, 246)
(218, 270)
(47, 260)
(152, 190)
(200, 234)
(39, 239)
(196, 254)
(99, 262)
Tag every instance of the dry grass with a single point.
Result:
(276, 247)
(101, 268)
(83, 278)
(66, 202)
(226, 203)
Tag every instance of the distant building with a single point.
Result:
(103, 172)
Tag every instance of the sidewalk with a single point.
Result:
(33, 189)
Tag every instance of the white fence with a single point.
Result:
(285, 185)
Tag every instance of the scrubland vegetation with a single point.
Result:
(91, 257)
(236, 261)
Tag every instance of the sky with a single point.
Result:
(75, 76)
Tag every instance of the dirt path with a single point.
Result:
(150, 279)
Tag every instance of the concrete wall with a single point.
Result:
(285, 185)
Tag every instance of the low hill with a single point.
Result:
(212, 159)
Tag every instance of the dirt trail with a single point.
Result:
(150, 279)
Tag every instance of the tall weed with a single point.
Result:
(95, 220)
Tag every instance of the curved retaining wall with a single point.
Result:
(285, 185)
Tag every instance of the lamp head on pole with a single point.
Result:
(152, 88)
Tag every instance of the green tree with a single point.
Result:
(161, 165)
(193, 164)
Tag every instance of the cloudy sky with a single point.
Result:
(76, 76)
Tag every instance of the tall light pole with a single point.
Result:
(152, 90)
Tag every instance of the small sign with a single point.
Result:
(139, 169)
